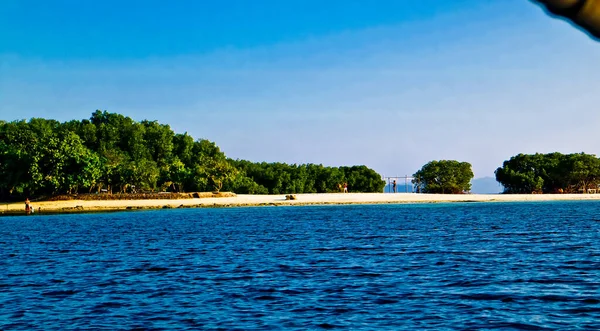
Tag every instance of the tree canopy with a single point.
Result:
(112, 152)
(444, 176)
(549, 173)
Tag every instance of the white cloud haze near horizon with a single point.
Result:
(391, 97)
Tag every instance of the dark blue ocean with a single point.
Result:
(471, 266)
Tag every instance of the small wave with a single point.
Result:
(352, 267)
(59, 294)
(110, 305)
(266, 297)
(427, 252)
(159, 318)
(18, 314)
(103, 261)
(368, 274)
(341, 311)
(232, 278)
(308, 309)
(372, 237)
(19, 326)
(144, 269)
(292, 292)
(385, 301)
(158, 294)
(331, 249)
(364, 248)
(33, 285)
(466, 283)
(512, 326)
(582, 310)
(487, 297)
(551, 281)
(108, 283)
(554, 298)
(328, 326)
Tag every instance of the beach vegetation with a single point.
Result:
(282, 178)
(444, 176)
(549, 173)
(112, 153)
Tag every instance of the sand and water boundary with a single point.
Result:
(78, 206)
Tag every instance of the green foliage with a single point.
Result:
(113, 152)
(549, 173)
(363, 179)
(281, 178)
(444, 176)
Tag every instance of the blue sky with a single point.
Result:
(389, 84)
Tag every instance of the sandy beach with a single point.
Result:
(279, 200)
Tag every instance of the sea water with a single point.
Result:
(471, 266)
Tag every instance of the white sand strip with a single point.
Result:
(301, 199)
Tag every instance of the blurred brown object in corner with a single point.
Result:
(583, 13)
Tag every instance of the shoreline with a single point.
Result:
(305, 199)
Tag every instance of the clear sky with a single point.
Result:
(391, 84)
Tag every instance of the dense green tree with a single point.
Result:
(242, 184)
(363, 179)
(183, 147)
(14, 158)
(444, 176)
(114, 152)
(281, 178)
(174, 175)
(549, 173)
(522, 174)
(158, 140)
(584, 171)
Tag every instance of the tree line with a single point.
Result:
(521, 174)
(549, 173)
(113, 153)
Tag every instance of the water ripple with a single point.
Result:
(508, 266)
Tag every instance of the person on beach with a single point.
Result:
(394, 185)
(345, 187)
(27, 206)
(340, 187)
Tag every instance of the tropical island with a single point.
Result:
(111, 153)
(111, 162)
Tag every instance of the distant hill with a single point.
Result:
(485, 185)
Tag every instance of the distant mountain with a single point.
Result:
(485, 185)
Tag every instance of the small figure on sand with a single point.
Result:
(28, 208)
(345, 187)
(340, 187)
(394, 185)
